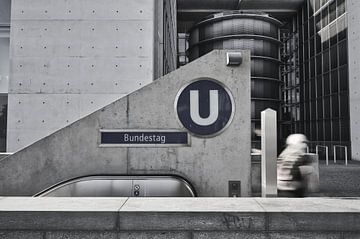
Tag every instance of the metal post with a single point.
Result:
(326, 152)
(346, 159)
(346, 154)
(268, 153)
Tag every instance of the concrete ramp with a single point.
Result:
(209, 162)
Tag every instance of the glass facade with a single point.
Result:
(324, 92)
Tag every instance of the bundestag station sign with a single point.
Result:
(143, 138)
(204, 107)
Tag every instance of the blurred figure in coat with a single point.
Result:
(290, 181)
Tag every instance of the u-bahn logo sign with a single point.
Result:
(205, 107)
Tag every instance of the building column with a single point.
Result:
(353, 9)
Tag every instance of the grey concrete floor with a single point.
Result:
(338, 180)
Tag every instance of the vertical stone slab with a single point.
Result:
(268, 153)
(209, 163)
(70, 58)
(353, 17)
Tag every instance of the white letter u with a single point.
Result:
(194, 108)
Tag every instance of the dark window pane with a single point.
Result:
(332, 11)
(306, 91)
(326, 61)
(318, 22)
(306, 72)
(333, 34)
(343, 53)
(312, 47)
(313, 135)
(335, 130)
(311, 27)
(326, 83)
(335, 106)
(312, 67)
(311, 7)
(334, 60)
(334, 81)
(327, 107)
(306, 51)
(323, 2)
(325, 17)
(318, 65)
(302, 118)
(320, 109)
(307, 111)
(312, 88)
(307, 128)
(320, 130)
(327, 131)
(319, 86)
(344, 106)
(306, 32)
(343, 78)
(340, 7)
(313, 110)
(345, 130)
(317, 5)
(318, 43)
(342, 28)
(3, 122)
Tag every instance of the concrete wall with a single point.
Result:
(209, 163)
(69, 58)
(193, 218)
(353, 17)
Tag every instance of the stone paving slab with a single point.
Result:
(310, 205)
(61, 204)
(191, 205)
(253, 215)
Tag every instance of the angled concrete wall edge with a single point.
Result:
(74, 150)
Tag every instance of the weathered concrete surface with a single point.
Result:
(181, 218)
(70, 58)
(208, 164)
(353, 18)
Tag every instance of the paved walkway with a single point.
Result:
(338, 180)
(185, 218)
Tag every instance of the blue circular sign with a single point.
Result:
(204, 107)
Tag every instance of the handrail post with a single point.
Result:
(346, 153)
(346, 158)
(326, 152)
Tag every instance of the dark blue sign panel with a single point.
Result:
(205, 107)
(143, 138)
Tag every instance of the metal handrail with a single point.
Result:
(346, 155)
(326, 152)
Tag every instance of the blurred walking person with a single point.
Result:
(291, 182)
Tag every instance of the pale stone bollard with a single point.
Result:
(268, 153)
